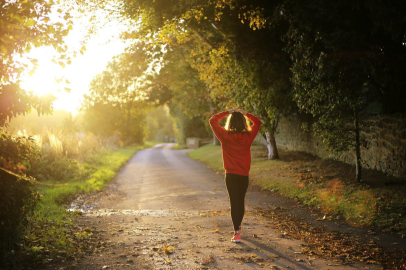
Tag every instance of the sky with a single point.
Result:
(100, 48)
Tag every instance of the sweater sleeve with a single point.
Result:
(215, 126)
(256, 126)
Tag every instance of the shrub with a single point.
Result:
(61, 155)
(18, 196)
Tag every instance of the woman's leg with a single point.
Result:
(237, 186)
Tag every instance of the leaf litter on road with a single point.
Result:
(208, 259)
(343, 248)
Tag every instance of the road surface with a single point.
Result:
(166, 211)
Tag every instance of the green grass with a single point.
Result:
(209, 154)
(179, 147)
(51, 227)
(314, 183)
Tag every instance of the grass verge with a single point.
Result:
(327, 185)
(179, 147)
(51, 231)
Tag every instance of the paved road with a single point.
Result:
(161, 178)
(163, 199)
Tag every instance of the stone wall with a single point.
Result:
(386, 136)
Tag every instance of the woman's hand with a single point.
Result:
(230, 111)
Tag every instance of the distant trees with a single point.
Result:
(237, 66)
(333, 60)
(189, 101)
(159, 124)
(114, 103)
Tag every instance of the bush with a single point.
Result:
(18, 196)
(57, 169)
(61, 155)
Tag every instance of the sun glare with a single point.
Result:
(43, 81)
(100, 49)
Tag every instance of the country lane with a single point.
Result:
(166, 211)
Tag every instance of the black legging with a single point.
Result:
(237, 186)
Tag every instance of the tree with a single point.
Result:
(160, 124)
(343, 61)
(115, 104)
(25, 25)
(189, 102)
(227, 53)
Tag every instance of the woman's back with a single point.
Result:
(235, 145)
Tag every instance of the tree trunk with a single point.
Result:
(358, 166)
(215, 140)
(271, 145)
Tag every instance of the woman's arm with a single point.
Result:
(256, 126)
(215, 126)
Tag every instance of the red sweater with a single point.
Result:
(236, 146)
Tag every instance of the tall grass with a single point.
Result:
(59, 142)
(66, 164)
(63, 155)
(52, 229)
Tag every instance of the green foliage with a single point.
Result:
(330, 74)
(60, 154)
(348, 59)
(55, 154)
(32, 123)
(57, 169)
(14, 150)
(215, 58)
(18, 196)
(26, 25)
(249, 54)
(115, 104)
(188, 93)
(343, 61)
(15, 101)
(189, 100)
(187, 126)
(391, 212)
(159, 124)
(360, 204)
(50, 230)
(63, 164)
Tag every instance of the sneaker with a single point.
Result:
(236, 238)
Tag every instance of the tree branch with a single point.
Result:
(208, 43)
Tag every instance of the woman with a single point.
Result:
(236, 139)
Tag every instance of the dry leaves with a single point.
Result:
(341, 247)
